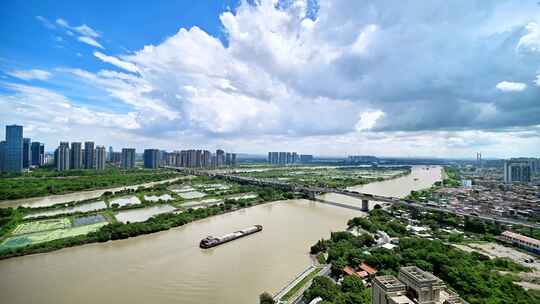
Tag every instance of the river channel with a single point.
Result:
(169, 267)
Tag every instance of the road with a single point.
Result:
(312, 192)
(298, 295)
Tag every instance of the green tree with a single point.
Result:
(266, 298)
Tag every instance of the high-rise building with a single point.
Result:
(101, 157)
(27, 153)
(117, 158)
(76, 155)
(62, 157)
(89, 155)
(111, 154)
(36, 153)
(128, 158)
(220, 158)
(283, 158)
(273, 158)
(42, 154)
(295, 158)
(517, 170)
(206, 158)
(151, 158)
(233, 159)
(227, 159)
(2, 154)
(13, 157)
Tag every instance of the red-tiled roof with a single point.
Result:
(367, 268)
(362, 274)
(348, 270)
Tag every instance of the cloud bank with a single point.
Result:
(333, 71)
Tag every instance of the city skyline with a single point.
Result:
(306, 89)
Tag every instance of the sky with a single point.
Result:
(331, 78)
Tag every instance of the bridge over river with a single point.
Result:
(313, 192)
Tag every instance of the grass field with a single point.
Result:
(46, 236)
(44, 225)
(300, 284)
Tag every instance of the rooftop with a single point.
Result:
(367, 268)
(401, 300)
(520, 237)
(389, 281)
(418, 274)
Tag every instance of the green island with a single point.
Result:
(332, 177)
(476, 277)
(45, 181)
(126, 213)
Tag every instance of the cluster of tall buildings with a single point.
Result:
(520, 170)
(92, 157)
(18, 153)
(74, 157)
(285, 158)
(198, 159)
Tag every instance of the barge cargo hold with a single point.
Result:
(212, 241)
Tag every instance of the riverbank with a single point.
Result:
(116, 230)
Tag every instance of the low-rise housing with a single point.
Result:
(525, 242)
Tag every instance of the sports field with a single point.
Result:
(46, 236)
(43, 225)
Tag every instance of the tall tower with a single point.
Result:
(76, 155)
(62, 157)
(27, 156)
(479, 160)
(101, 156)
(128, 158)
(89, 155)
(13, 157)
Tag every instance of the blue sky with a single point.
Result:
(324, 77)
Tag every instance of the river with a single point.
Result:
(169, 267)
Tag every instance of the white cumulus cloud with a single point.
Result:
(509, 86)
(368, 120)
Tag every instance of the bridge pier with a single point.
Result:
(365, 205)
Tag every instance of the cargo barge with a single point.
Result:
(212, 241)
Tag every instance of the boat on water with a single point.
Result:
(212, 241)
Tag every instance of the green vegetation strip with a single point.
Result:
(301, 284)
(339, 177)
(30, 186)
